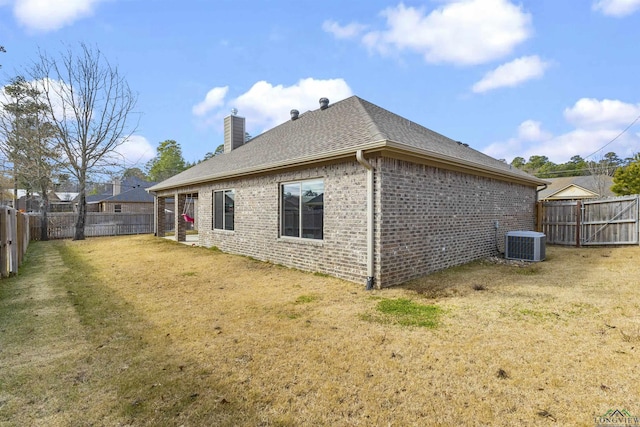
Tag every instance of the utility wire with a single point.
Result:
(617, 136)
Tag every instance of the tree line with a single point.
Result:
(625, 172)
(169, 161)
(542, 167)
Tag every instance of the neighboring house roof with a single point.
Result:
(135, 182)
(21, 192)
(134, 195)
(577, 187)
(131, 190)
(338, 132)
(66, 196)
(95, 198)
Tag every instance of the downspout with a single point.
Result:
(544, 187)
(370, 211)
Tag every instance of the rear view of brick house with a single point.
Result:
(354, 191)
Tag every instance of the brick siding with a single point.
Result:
(341, 253)
(426, 219)
(434, 218)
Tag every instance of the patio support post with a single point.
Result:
(159, 216)
(180, 224)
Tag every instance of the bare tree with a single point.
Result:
(601, 168)
(90, 106)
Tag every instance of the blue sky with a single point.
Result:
(534, 77)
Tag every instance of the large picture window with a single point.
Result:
(223, 207)
(302, 207)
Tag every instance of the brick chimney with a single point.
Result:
(117, 186)
(234, 131)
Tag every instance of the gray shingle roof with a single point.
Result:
(132, 189)
(138, 194)
(590, 183)
(134, 182)
(343, 128)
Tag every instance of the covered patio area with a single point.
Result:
(190, 239)
(183, 207)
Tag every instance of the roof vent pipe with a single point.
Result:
(324, 103)
(294, 114)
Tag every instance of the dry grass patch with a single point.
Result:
(142, 331)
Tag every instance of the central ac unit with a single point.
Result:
(524, 245)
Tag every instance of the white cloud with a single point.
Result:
(591, 113)
(530, 130)
(617, 8)
(213, 99)
(343, 32)
(512, 74)
(596, 123)
(60, 95)
(135, 151)
(50, 15)
(265, 105)
(58, 91)
(461, 32)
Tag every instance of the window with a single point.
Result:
(223, 206)
(117, 208)
(303, 209)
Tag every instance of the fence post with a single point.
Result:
(4, 258)
(13, 241)
(539, 215)
(19, 239)
(578, 222)
(638, 217)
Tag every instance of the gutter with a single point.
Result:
(460, 164)
(273, 167)
(544, 187)
(383, 145)
(370, 212)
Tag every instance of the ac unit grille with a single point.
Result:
(525, 245)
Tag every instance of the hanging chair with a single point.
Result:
(189, 201)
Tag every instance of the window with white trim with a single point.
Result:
(117, 208)
(302, 209)
(223, 209)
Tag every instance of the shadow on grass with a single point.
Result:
(118, 368)
(466, 279)
(156, 383)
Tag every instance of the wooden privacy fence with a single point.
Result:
(62, 224)
(611, 221)
(14, 240)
